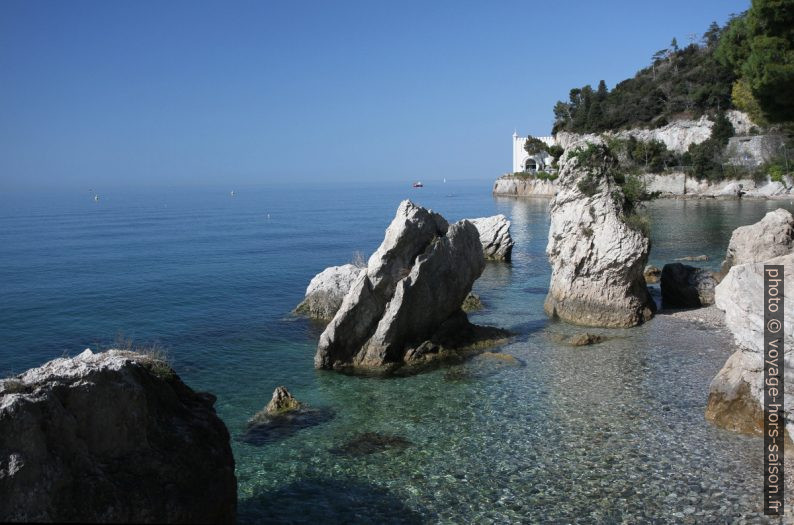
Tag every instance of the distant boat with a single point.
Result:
(95, 195)
(418, 184)
(232, 193)
(445, 180)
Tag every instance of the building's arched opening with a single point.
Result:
(530, 166)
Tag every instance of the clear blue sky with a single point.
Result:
(138, 93)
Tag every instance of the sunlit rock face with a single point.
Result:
(597, 259)
(736, 395)
(412, 289)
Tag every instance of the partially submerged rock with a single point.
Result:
(326, 291)
(597, 259)
(497, 244)
(282, 401)
(736, 393)
(770, 237)
(409, 297)
(652, 274)
(112, 437)
(686, 286)
(472, 303)
(585, 339)
(282, 417)
(370, 443)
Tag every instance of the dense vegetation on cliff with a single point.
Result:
(748, 64)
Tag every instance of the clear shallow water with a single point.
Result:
(604, 433)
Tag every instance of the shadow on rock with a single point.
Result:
(370, 443)
(273, 428)
(327, 501)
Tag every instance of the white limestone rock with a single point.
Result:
(326, 291)
(736, 393)
(770, 237)
(597, 260)
(411, 291)
(513, 186)
(497, 244)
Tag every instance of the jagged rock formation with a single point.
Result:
(497, 244)
(736, 393)
(112, 437)
(770, 237)
(685, 286)
(282, 401)
(409, 299)
(326, 290)
(597, 259)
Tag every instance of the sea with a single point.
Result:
(608, 433)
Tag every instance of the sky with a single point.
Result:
(151, 93)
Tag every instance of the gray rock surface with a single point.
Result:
(770, 237)
(685, 286)
(736, 393)
(112, 437)
(497, 244)
(597, 260)
(412, 290)
(326, 291)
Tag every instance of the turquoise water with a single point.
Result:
(605, 433)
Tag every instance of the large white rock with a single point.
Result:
(736, 393)
(326, 291)
(112, 437)
(770, 237)
(597, 260)
(497, 244)
(411, 291)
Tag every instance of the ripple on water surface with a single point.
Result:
(604, 433)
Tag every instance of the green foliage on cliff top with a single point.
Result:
(748, 65)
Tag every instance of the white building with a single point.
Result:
(522, 161)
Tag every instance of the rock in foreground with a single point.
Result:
(685, 286)
(597, 259)
(410, 295)
(736, 393)
(112, 437)
(770, 237)
(326, 291)
(497, 244)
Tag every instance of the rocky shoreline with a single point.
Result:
(669, 186)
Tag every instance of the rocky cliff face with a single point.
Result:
(112, 437)
(736, 393)
(412, 290)
(512, 186)
(326, 291)
(597, 260)
(770, 237)
(497, 244)
(677, 136)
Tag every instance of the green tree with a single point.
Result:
(769, 66)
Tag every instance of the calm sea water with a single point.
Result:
(605, 433)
